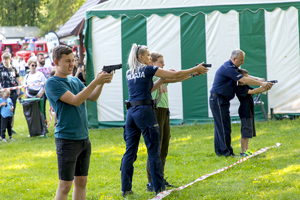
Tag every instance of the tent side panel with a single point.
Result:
(282, 47)
(222, 37)
(163, 36)
(106, 37)
(195, 106)
(133, 31)
(252, 42)
(91, 106)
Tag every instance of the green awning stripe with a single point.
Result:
(133, 31)
(193, 11)
(193, 50)
(252, 42)
(91, 106)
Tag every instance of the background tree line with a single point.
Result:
(48, 15)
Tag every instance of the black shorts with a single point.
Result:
(73, 158)
(248, 127)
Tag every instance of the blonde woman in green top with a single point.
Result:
(162, 114)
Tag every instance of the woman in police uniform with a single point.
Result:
(141, 117)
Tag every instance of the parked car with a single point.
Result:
(32, 47)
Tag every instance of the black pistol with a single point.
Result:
(109, 68)
(273, 81)
(204, 65)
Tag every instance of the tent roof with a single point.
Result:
(75, 24)
(130, 8)
(19, 31)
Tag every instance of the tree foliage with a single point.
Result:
(48, 15)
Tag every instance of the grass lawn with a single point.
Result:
(28, 166)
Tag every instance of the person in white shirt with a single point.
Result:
(22, 65)
(32, 78)
(15, 63)
(45, 69)
(42, 67)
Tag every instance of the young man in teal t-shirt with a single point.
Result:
(67, 96)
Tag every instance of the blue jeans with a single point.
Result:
(142, 119)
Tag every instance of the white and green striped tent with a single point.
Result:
(187, 32)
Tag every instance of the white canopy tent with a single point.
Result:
(189, 32)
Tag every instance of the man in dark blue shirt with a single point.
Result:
(222, 92)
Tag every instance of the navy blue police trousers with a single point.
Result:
(219, 106)
(142, 119)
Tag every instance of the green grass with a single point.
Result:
(28, 166)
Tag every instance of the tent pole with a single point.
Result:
(81, 48)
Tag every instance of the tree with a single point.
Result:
(59, 12)
(48, 15)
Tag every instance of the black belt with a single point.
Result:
(219, 95)
(214, 94)
(129, 104)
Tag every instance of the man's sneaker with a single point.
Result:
(125, 193)
(13, 132)
(12, 139)
(243, 154)
(248, 153)
(168, 184)
(4, 140)
(150, 187)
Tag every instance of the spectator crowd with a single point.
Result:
(17, 72)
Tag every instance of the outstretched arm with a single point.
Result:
(156, 84)
(257, 90)
(96, 93)
(91, 92)
(182, 73)
(251, 81)
(257, 78)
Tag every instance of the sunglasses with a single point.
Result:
(33, 65)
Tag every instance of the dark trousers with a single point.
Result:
(44, 101)
(141, 119)
(5, 124)
(163, 119)
(219, 106)
(14, 97)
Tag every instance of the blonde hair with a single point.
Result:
(154, 56)
(5, 92)
(6, 55)
(133, 60)
(31, 61)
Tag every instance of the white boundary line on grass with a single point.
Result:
(167, 192)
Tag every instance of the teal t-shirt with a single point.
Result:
(72, 120)
(164, 101)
